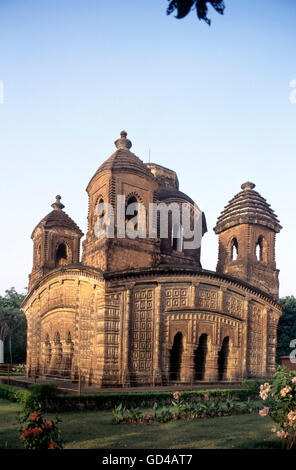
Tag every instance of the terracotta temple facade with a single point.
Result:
(143, 311)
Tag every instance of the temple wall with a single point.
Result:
(154, 328)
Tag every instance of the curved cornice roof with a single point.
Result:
(123, 160)
(247, 207)
(58, 218)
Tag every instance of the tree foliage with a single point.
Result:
(13, 326)
(183, 7)
(286, 327)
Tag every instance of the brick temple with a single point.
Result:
(143, 310)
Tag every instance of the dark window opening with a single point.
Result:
(128, 217)
(200, 357)
(259, 249)
(234, 249)
(61, 255)
(176, 357)
(223, 359)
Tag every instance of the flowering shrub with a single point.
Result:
(38, 433)
(280, 404)
(182, 409)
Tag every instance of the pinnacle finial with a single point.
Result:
(57, 204)
(248, 185)
(123, 142)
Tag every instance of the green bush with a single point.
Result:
(44, 396)
(16, 394)
(144, 400)
(181, 409)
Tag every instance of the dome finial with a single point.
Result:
(123, 142)
(57, 204)
(248, 185)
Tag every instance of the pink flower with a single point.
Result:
(206, 396)
(264, 390)
(264, 412)
(177, 395)
(291, 418)
(285, 390)
(294, 380)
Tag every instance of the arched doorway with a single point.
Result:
(200, 357)
(176, 357)
(223, 359)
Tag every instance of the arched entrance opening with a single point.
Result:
(223, 359)
(200, 357)
(176, 357)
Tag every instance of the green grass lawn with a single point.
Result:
(94, 430)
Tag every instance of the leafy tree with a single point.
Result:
(286, 327)
(183, 7)
(13, 325)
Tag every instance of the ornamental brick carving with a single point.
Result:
(141, 350)
(207, 299)
(176, 297)
(233, 305)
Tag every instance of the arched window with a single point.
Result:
(259, 250)
(135, 217)
(132, 211)
(234, 249)
(177, 237)
(61, 255)
(100, 212)
(176, 357)
(223, 359)
(200, 357)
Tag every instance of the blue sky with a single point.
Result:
(211, 103)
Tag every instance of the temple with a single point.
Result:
(141, 310)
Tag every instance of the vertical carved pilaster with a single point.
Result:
(193, 289)
(221, 292)
(265, 340)
(245, 339)
(125, 373)
(157, 350)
